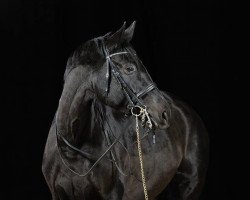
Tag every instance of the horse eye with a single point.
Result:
(130, 69)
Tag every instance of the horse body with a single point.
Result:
(174, 166)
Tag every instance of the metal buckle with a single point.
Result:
(137, 110)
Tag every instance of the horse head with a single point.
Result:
(88, 77)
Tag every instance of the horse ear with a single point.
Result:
(129, 32)
(116, 38)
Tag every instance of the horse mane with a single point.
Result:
(87, 53)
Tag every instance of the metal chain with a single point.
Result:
(141, 160)
(144, 116)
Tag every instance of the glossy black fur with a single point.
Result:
(175, 166)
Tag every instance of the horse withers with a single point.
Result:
(92, 146)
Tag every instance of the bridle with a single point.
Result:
(132, 97)
(135, 105)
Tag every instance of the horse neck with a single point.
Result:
(94, 130)
(116, 123)
(103, 121)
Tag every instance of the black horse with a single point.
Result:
(91, 150)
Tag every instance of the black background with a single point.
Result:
(182, 44)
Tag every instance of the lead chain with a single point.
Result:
(144, 114)
(141, 160)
